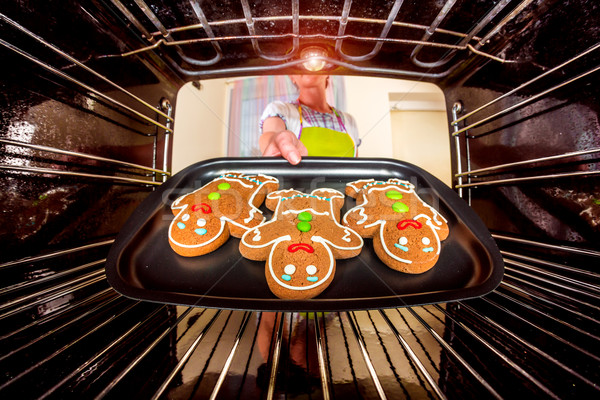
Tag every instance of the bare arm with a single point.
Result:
(276, 140)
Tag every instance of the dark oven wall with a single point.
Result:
(103, 132)
(525, 138)
(528, 135)
(81, 148)
(82, 143)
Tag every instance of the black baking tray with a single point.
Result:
(142, 265)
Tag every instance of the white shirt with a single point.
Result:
(288, 112)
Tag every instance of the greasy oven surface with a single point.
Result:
(88, 92)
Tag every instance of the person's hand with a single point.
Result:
(284, 144)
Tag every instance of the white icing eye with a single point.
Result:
(289, 269)
(425, 241)
(403, 241)
(311, 269)
(201, 222)
(185, 217)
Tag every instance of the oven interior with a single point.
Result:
(89, 91)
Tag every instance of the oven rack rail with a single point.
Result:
(380, 352)
(163, 110)
(481, 177)
(467, 42)
(122, 166)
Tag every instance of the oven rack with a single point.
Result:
(480, 177)
(156, 34)
(128, 168)
(163, 110)
(80, 64)
(423, 351)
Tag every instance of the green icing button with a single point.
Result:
(305, 216)
(224, 186)
(303, 226)
(214, 196)
(399, 207)
(393, 194)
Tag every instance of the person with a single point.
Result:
(308, 126)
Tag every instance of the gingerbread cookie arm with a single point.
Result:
(344, 242)
(336, 199)
(256, 243)
(353, 188)
(251, 190)
(439, 222)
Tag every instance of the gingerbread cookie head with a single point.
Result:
(301, 243)
(225, 206)
(406, 232)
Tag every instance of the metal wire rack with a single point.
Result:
(65, 333)
(410, 352)
(478, 177)
(136, 115)
(468, 42)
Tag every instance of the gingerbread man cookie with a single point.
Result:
(301, 242)
(205, 218)
(406, 232)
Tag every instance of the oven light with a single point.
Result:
(314, 58)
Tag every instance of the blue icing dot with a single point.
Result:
(201, 231)
(181, 225)
(312, 279)
(401, 247)
(286, 277)
(428, 249)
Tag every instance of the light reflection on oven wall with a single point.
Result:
(398, 119)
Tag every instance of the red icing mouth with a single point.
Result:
(405, 223)
(202, 206)
(292, 248)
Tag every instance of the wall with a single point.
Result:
(200, 123)
(396, 119)
(421, 138)
(368, 100)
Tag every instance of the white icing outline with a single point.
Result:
(436, 214)
(277, 213)
(390, 184)
(192, 246)
(358, 189)
(346, 237)
(305, 209)
(275, 242)
(223, 219)
(314, 285)
(323, 240)
(389, 253)
(361, 213)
